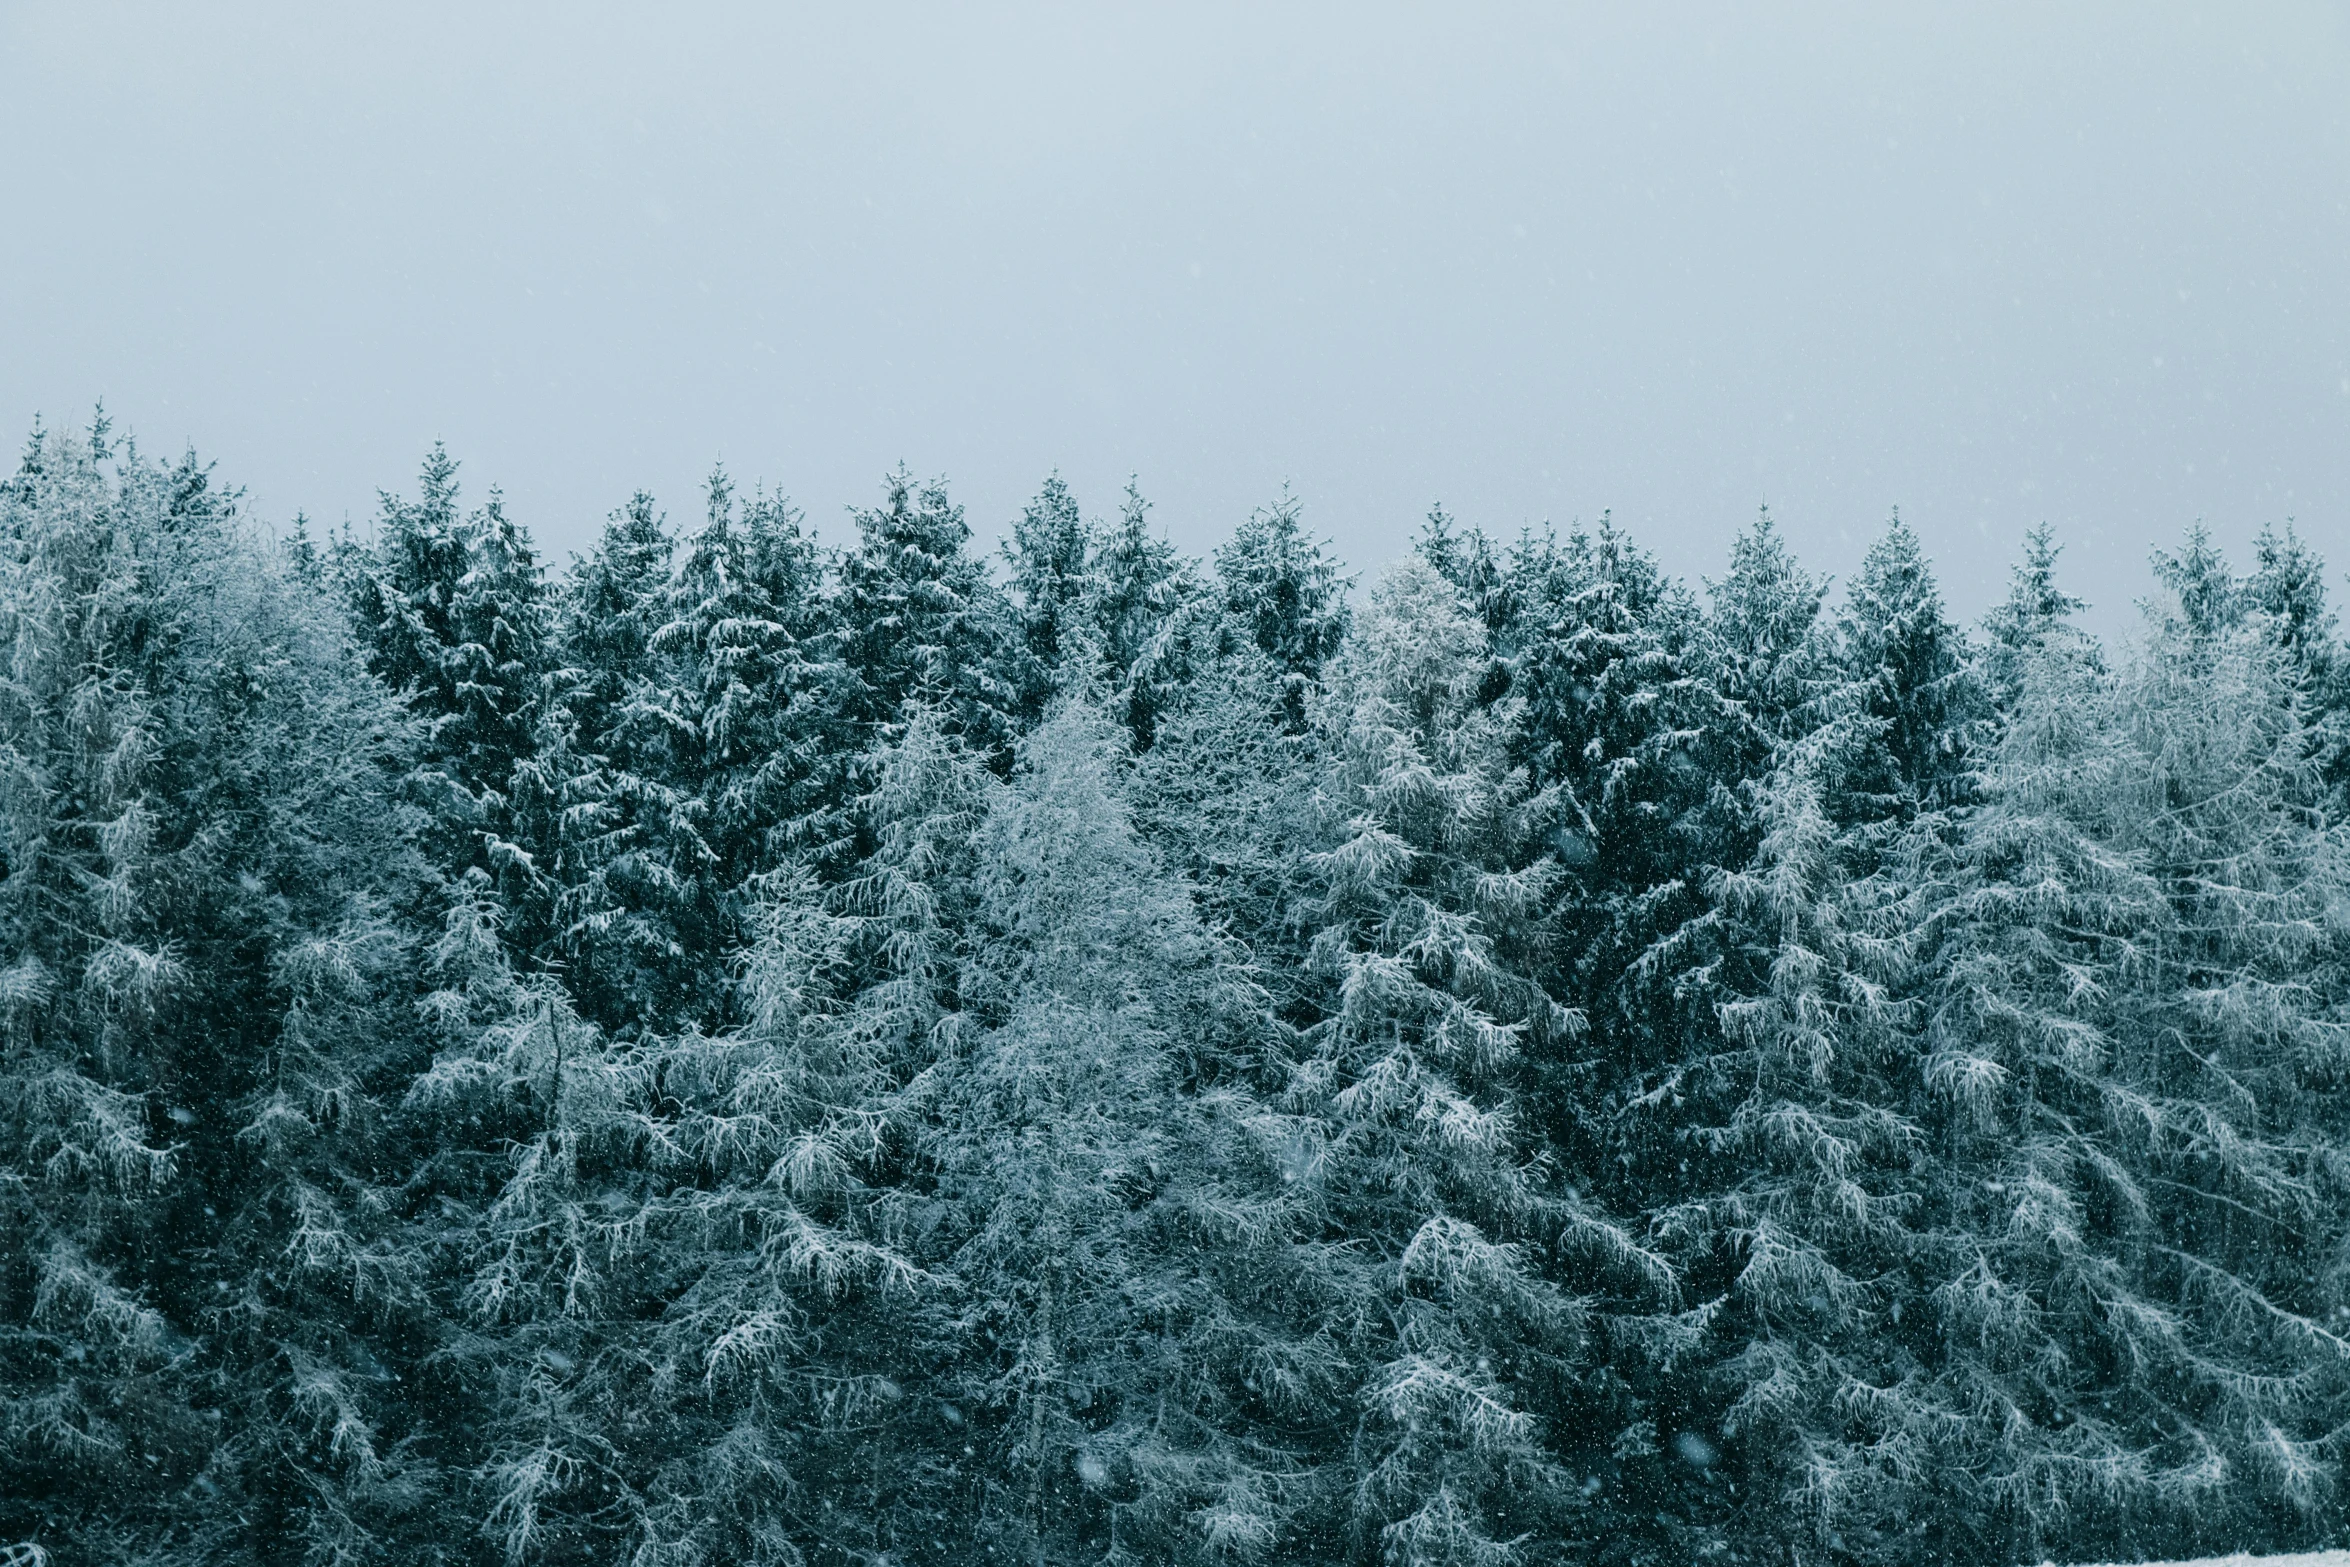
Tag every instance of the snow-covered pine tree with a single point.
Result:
(921, 620)
(202, 1298)
(1050, 554)
(610, 607)
(2128, 1069)
(1152, 613)
(1800, 1122)
(1764, 654)
(1907, 670)
(454, 613)
(2287, 587)
(2034, 619)
(2204, 595)
(1224, 795)
(1431, 914)
(1811, 1179)
(1283, 591)
(727, 744)
(1601, 657)
(1147, 1363)
(1476, 570)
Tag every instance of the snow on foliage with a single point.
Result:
(745, 1052)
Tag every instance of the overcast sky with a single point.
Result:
(1990, 264)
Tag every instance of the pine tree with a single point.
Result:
(1224, 795)
(921, 619)
(1050, 554)
(1811, 1181)
(2133, 1009)
(1151, 614)
(1429, 916)
(1284, 592)
(1764, 654)
(205, 860)
(2288, 591)
(453, 611)
(2203, 592)
(726, 744)
(1908, 672)
(1143, 1348)
(2289, 588)
(2035, 619)
(609, 613)
(1469, 563)
(1610, 718)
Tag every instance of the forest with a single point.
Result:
(734, 1050)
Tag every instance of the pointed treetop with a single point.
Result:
(437, 483)
(2034, 602)
(1047, 552)
(1767, 604)
(718, 492)
(2198, 577)
(2289, 587)
(1285, 586)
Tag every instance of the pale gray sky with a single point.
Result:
(1990, 263)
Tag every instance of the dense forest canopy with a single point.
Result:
(735, 1050)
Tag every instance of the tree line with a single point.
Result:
(741, 1051)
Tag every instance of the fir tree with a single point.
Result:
(2131, 1309)
(1050, 554)
(206, 861)
(1143, 1345)
(1812, 1181)
(727, 743)
(1763, 653)
(1284, 592)
(1908, 673)
(452, 609)
(1150, 612)
(2035, 619)
(1431, 901)
(921, 620)
(2288, 592)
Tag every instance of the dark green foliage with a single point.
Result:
(1151, 612)
(756, 1055)
(452, 610)
(2288, 592)
(1286, 594)
(922, 620)
(208, 869)
(1910, 684)
(2034, 619)
(1050, 554)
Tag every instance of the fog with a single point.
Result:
(1993, 265)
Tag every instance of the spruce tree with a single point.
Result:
(1908, 674)
(202, 1293)
(1430, 911)
(1050, 554)
(1151, 612)
(721, 744)
(920, 619)
(454, 613)
(1146, 1365)
(2133, 1009)
(2034, 620)
(1284, 592)
(1812, 1177)
(2288, 590)
(1764, 655)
